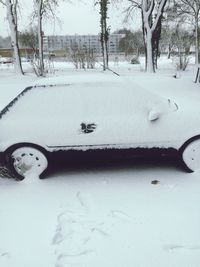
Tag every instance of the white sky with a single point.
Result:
(79, 17)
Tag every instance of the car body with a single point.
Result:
(6, 60)
(92, 115)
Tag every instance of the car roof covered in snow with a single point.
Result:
(97, 89)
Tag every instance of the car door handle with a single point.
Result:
(88, 127)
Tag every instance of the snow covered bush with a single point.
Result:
(82, 58)
(135, 60)
(38, 70)
(182, 61)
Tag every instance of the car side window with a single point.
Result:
(48, 102)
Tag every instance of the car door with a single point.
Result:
(118, 114)
(110, 115)
(115, 114)
(45, 115)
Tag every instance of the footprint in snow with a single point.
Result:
(100, 231)
(77, 229)
(86, 201)
(118, 214)
(63, 228)
(76, 259)
(58, 236)
(182, 249)
(5, 254)
(72, 239)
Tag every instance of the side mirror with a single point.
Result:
(153, 115)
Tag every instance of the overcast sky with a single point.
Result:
(81, 17)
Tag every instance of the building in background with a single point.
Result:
(88, 42)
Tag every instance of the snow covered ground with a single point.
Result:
(107, 215)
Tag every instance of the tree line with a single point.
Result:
(162, 22)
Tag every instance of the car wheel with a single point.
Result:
(25, 161)
(190, 155)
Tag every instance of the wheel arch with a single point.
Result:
(28, 144)
(181, 150)
(196, 137)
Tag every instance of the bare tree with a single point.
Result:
(191, 8)
(152, 14)
(43, 8)
(183, 41)
(104, 34)
(82, 58)
(170, 25)
(29, 39)
(11, 7)
(132, 42)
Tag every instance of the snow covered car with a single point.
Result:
(93, 115)
(6, 60)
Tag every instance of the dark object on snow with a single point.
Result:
(135, 60)
(155, 182)
(197, 75)
(88, 127)
(176, 75)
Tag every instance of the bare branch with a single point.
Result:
(3, 2)
(135, 4)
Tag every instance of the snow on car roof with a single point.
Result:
(98, 89)
(99, 80)
(81, 78)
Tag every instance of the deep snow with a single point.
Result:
(109, 215)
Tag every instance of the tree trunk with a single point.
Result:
(104, 32)
(106, 37)
(12, 19)
(149, 57)
(40, 38)
(105, 54)
(147, 32)
(169, 52)
(102, 38)
(103, 51)
(196, 40)
(152, 22)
